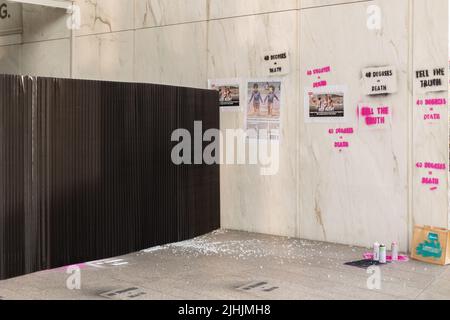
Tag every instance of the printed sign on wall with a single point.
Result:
(229, 93)
(381, 80)
(263, 111)
(374, 116)
(325, 104)
(276, 63)
(431, 79)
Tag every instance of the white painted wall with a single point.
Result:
(371, 192)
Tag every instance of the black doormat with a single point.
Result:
(363, 264)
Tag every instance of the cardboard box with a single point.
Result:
(431, 245)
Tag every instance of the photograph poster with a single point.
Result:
(263, 111)
(229, 93)
(325, 105)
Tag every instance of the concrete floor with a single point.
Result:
(236, 265)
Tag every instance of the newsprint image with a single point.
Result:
(220, 159)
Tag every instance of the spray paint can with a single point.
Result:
(376, 252)
(394, 251)
(383, 254)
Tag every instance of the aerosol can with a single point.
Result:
(394, 251)
(376, 252)
(383, 254)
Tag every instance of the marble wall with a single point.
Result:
(429, 140)
(369, 192)
(10, 18)
(357, 195)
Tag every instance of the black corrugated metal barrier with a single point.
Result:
(86, 170)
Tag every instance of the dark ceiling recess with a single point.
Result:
(86, 170)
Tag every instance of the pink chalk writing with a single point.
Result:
(372, 121)
(427, 181)
(435, 102)
(431, 165)
(373, 116)
(432, 102)
(318, 71)
(434, 116)
(319, 84)
(430, 180)
(340, 133)
(341, 145)
(430, 114)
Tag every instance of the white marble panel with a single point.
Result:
(430, 139)
(357, 196)
(11, 39)
(102, 16)
(151, 13)
(233, 8)
(10, 18)
(321, 3)
(10, 59)
(104, 57)
(174, 55)
(44, 23)
(47, 58)
(252, 202)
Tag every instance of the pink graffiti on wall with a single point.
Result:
(431, 180)
(319, 82)
(316, 71)
(341, 143)
(374, 116)
(429, 106)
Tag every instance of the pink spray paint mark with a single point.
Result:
(433, 189)
(401, 257)
(322, 83)
(435, 166)
(435, 102)
(430, 181)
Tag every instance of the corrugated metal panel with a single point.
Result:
(86, 170)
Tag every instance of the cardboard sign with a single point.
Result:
(381, 80)
(431, 245)
(276, 63)
(431, 80)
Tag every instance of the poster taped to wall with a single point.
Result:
(326, 105)
(380, 80)
(263, 111)
(229, 93)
